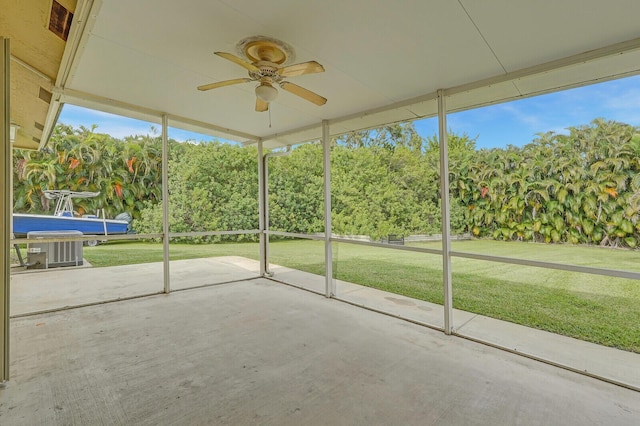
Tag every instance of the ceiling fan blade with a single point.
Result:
(303, 93)
(310, 67)
(261, 106)
(223, 83)
(239, 61)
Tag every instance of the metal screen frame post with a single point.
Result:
(261, 212)
(5, 204)
(330, 288)
(446, 214)
(265, 213)
(166, 274)
(265, 203)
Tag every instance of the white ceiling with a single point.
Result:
(384, 59)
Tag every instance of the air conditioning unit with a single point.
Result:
(59, 253)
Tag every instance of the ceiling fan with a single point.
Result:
(266, 65)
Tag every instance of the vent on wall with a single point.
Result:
(45, 95)
(60, 20)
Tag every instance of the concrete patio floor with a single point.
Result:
(45, 289)
(72, 353)
(259, 352)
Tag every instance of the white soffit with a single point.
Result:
(384, 60)
(482, 96)
(616, 66)
(37, 41)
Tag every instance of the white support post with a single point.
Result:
(446, 214)
(5, 205)
(265, 213)
(330, 289)
(265, 206)
(165, 204)
(262, 212)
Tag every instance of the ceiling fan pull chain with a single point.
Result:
(269, 117)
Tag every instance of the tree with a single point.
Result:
(582, 187)
(83, 160)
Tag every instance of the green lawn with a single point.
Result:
(594, 308)
(127, 252)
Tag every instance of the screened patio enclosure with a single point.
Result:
(383, 64)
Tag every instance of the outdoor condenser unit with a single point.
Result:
(59, 253)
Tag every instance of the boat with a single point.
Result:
(66, 219)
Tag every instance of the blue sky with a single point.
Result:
(517, 122)
(120, 127)
(514, 123)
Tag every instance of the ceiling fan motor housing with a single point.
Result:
(267, 58)
(267, 70)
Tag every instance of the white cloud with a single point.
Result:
(120, 127)
(524, 115)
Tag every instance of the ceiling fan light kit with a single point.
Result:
(266, 59)
(266, 92)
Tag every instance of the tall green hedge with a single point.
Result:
(582, 187)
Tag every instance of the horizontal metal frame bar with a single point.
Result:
(500, 259)
(388, 246)
(470, 338)
(588, 56)
(84, 305)
(211, 233)
(582, 83)
(489, 258)
(86, 238)
(550, 265)
(299, 287)
(383, 312)
(196, 287)
(71, 95)
(295, 235)
(591, 55)
(337, 121)
(546, 361)
(120, 299)
(130, 236)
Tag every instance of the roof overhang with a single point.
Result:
(37, 50)
(384, 61)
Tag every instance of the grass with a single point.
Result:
(594, 308)
(127, 253)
